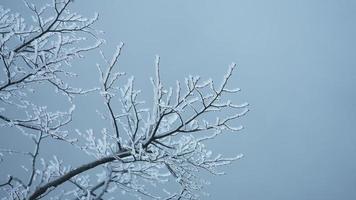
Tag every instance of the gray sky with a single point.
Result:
(297, 69)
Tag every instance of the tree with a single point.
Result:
(143, 148)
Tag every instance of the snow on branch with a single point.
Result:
(145, 147)
(167, 140)
(43, 47)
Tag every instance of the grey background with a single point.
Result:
(296, 68)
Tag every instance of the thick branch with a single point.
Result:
(41, 190)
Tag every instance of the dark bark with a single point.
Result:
(41, 190)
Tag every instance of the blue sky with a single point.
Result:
(297, 69)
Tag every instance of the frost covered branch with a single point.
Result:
(43, 47)
(145, 147)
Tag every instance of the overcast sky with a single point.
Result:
(296, 67)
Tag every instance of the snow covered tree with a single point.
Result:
(143, 148)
